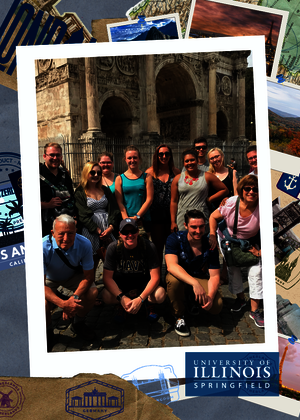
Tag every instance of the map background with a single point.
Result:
(14, 356)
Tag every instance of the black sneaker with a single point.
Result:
(83, 330)
(238, 304)
(257, 318)
(181, 328)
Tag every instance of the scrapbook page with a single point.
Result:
(192, 405)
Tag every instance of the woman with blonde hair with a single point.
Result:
(98, 213)
(227, 175)
(134, 190)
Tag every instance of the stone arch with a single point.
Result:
(222, 125)
(116, 114)
(177, 91)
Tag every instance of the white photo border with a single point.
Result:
(112, 361)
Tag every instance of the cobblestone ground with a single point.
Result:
(137, 332)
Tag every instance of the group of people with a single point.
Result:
(131, 220)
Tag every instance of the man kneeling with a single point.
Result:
(187, 253)
(68, 262)
(131, 272)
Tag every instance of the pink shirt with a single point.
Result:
(246, 226)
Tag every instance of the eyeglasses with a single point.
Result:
(248, 189)
(93, 173)
(252, 158)
(201, 147)
(215, 157)
(129, 232)
(161, 154)
(53, 155)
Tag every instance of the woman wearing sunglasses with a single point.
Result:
(247, 228)
(163, 172)
(106, 162)
(227, 176)
(98, 212)
(134, 190)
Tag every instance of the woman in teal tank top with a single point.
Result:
(134, 190)
(106, 162)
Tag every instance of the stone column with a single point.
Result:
(153, 125)
(212, 95)
(92, 95)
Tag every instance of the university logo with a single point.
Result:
(11, 398)
(94, 400)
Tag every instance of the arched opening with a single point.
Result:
(222, 126)
(116, 118)
(176, 96)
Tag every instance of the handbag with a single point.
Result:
(236, 251)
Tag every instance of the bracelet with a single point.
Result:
(141, 298)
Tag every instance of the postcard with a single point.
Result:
(239, 19)
(149, 9)
(113, 55)
(145, 29)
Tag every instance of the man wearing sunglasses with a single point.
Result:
(55, 186)
(131, 273)
(200, 144)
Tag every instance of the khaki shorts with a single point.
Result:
(70, 284)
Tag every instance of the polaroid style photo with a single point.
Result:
(231, 18)
(146, 29)
(57, 102)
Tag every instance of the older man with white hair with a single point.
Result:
(68, 262)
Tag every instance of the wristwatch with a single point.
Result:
(119, 297)
(138, 217)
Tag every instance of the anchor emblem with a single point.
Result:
(292, 178)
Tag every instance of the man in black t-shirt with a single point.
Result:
(131, 271)
(55, 186)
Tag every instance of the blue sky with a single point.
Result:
(284, 98)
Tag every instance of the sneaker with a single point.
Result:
(257, 318)
(238, 304)
(83, 330)
(181, 328)
(152, 316)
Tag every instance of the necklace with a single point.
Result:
(190, 181)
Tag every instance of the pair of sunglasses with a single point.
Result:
(93, 173)
(129, 232)
(248, 189)
(201, 147)
(161, 154)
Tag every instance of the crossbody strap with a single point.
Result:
(236, 217)
(64, 258)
